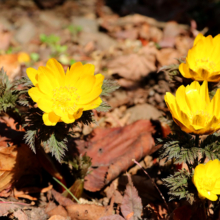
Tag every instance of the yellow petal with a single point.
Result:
(36, 94)
(96, 91)
(85, 84)
(78, 114)
(68, 118)
(45, 105)
(50, 119)
(181, 100)
(45, 85)
(52, 76)
(74, 74)
(204, 92)
(212, 168)
(215, 104)
(208, 195)
(198, 37)
(57, 68)
(89, 69)
(32, 75)
(200, 171)
(92, 105)
(184, 70)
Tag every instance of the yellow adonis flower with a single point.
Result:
(192, 109)
(206, 179)
(64, 96)
(202, 61)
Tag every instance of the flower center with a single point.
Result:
(205, 64)
(200, 117)
(66, 99)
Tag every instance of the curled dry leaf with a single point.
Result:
(112, 151)
(131, 206)
(136, 65)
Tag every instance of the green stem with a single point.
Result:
(66, 189)
(197, 140)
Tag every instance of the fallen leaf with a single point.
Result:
(146, 190)
(59, 210)
(88, 212)
(131, 206)
(168, 56)
(112, 151)
(57, 217)
(5, 38)
(20, 215)
(12, 63)
(112, 217)
(6, 207)
(171, 30)
(19, 166)
(136, 65)
(61, 199)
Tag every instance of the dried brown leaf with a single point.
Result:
(136, 65)
(131, 207)
(112, 217)
(112, 151)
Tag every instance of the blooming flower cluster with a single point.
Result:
(64, 96)
(194, 112)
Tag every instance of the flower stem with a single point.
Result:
(197, 140)
(168, 210)
(67, 190)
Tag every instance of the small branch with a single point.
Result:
(153, 184)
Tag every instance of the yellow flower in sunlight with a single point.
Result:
(206, 178)
(192, 109)
(64, 97)
(202, 61)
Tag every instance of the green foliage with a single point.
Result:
(180, 186)
(108, 87)
(74, 29)
(210, 147)
(104, 107)
(35, 56)
(57, 147)
(50, 39)
(8, 95)
(79, 165)
(181, 147)
(53, 42)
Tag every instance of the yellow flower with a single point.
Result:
(202, 61)
(64, 97)
(192, 109)
(206, 178)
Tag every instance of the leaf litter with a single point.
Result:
(128, 49)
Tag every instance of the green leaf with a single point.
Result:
(108, 87)
(57, 148)
(29, 138)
